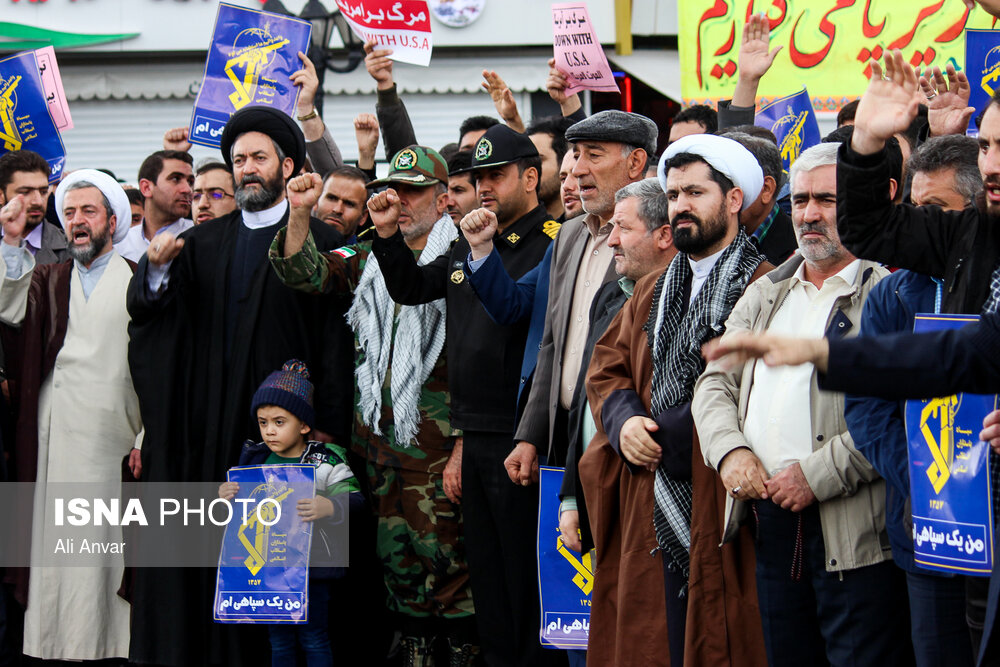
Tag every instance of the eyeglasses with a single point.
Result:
(214, 194)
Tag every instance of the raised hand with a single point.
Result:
(164, 248)
(557, 83)
(754, 58)
(384, 209)
(176, 139)
(479, 226)
(379, 65)
(888, 106)
(308, 81)
(947, 100)
(366, 132)
(503, 100)
(303, 191)
(14, 218)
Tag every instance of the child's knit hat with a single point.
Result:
(290, 389)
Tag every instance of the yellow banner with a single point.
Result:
(827, 43)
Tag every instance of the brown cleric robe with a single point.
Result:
(628, 624)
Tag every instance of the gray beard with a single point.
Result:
(89, 252)
(253, 199)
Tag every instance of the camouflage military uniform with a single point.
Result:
(419, 529)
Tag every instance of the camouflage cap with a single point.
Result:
(415, 165)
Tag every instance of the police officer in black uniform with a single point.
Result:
(484, 364)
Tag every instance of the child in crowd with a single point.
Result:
(283, 405)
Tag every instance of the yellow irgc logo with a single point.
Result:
(584, 577)
(938, 418)
(258, 548)
(250, 59)
(791, 144)
(8, 101)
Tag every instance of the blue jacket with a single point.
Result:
(508, 302)
(877, 425)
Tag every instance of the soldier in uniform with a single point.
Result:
(402, 419)
(484, 369)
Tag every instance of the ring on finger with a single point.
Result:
(931, 96)
(736, 490)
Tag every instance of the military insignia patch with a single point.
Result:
(457, 277)
(406, 159)
(484, 149)
(550, 228)
(513, 238)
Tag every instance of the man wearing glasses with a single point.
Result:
(213, 192)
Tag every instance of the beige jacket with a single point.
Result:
(850, 492)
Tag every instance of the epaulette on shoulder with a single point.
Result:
(551, 228)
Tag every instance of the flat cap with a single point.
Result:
(270, 121)
(612, 125)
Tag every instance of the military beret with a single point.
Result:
(612, 125)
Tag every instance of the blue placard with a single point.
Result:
(950, 474)
(793, 122)
(565, 578)
(25, 122)
(982, 66)
(250, 61)
(264, 569)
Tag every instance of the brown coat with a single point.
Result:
(628, 615)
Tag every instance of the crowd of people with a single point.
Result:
(542, 293)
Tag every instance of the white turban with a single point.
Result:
(726, 156)
(111, 189)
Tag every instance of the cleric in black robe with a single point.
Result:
(210, 321)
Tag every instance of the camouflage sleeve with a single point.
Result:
(336, 271)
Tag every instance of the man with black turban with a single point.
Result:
(210, 320)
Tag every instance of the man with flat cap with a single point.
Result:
(484, 363)
(647, 488)
(402, 424)
(611, 150)
(210, 320)
(65, 329)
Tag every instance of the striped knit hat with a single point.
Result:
(290, 389)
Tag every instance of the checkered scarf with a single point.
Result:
(675, 334)
(418, 341)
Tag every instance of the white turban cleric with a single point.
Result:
(726, 156)
(111, 188)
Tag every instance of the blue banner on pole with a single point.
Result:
(793, 122)
(264, 565)
(982, 67)
(251, 59)
(950, 474)
(25, 122)
(565, 578)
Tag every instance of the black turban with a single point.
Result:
(267, 120)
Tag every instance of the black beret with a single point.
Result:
(267, 120)
(613, 125)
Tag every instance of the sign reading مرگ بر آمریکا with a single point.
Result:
(263, 574)
(950, 496)
(251, 59)
(401, 25)
(565, 578)
(577, 51)
(826, 44)
(25, 120)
